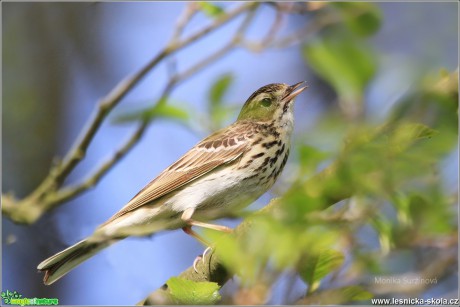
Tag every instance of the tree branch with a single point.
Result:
(49, 193)
(72, 191)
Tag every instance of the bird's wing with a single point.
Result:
(216, 150)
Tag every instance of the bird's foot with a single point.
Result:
(201, 257)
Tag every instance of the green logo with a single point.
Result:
(14, 298)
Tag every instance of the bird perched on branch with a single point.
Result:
(220, 175)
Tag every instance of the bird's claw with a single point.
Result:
(206, 251)
(197, 259)
(201, 257)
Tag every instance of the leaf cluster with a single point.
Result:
(382, 181)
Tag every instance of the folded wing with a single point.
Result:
(216, 150)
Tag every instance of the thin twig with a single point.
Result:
(323, 20)
(107, 103)
(276, 25)
(72, 191)
(311, 28)
(294, 38)
(183, 20)
(209, 59)
(269, 37)
(297, 7)
(46, 196)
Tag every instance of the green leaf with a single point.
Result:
(362, 18)
(218, 112)
(432, 212)
(310, 157)
(219, 88)
(401, 202)
(170, 111)
(404, 149)
(344, 62)
(210, 9)
(356, 293)
(187, 292)
(409, 132)
(271, 245)
(314, 267)
(160, 110)
(384, 228)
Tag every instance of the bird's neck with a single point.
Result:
(286, 122)
(279, 127)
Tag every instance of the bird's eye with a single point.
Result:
(266, 102)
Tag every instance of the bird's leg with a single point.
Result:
(188, 230)
(187, 217)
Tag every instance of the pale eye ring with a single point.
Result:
(266, 102)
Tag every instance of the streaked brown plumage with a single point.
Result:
(220, 175)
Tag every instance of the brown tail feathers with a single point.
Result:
(63, 262)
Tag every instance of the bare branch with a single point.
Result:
(107, 103)
(183, 20)
(47, 195)
(269, 37)
(70, 192)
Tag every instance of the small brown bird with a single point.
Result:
(220, 175)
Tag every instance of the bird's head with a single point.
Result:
(271, 102)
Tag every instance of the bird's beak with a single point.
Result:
(295, 90)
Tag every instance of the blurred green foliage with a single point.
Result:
(361, 18)
(383, 178)
(341, 55)
(163, 109)
(217, 110)
(388, 177)
(346, 63)
(382, 181)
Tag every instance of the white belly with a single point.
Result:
(215, 195)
